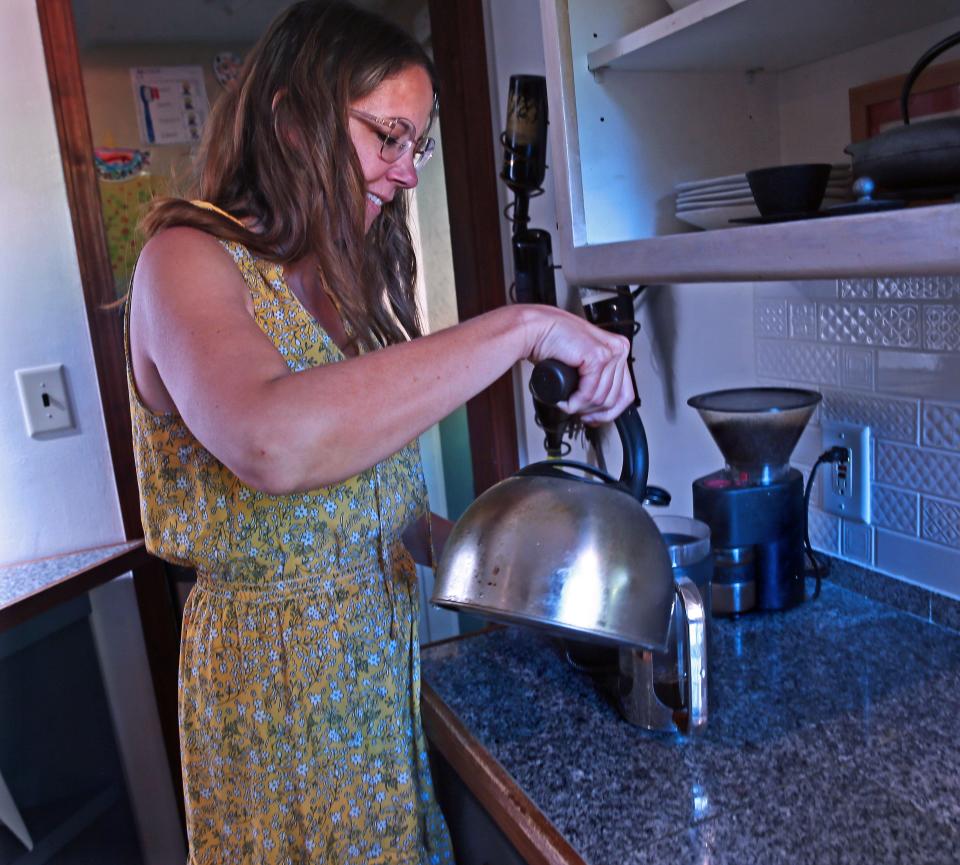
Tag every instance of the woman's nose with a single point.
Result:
(402, 172)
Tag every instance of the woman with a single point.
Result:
(278, 382)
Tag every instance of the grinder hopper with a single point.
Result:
(755, 506)
(756, 428)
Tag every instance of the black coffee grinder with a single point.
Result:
(755, 505)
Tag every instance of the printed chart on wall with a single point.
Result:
(171, 103)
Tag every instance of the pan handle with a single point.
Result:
(925, 60)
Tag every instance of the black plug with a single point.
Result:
(836, 454)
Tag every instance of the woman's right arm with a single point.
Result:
(196, 347)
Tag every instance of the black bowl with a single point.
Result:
(787, 189)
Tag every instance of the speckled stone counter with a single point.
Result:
(29, 587)
(834, 737)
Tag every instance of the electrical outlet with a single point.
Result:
(846, 485)
(44, 400)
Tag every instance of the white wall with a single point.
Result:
(58, 494)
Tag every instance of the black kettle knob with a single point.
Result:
(553, 381)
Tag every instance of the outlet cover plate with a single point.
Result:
(846, 490)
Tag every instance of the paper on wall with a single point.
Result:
(171, 103)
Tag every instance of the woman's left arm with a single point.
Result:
(417, 536)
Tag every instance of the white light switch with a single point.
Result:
(43, 398)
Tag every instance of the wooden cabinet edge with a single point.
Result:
(533, 835)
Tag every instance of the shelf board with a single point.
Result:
(919, 241)
(741, 35)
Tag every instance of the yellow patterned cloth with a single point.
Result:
(300, 722)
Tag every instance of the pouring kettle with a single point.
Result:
(564, 547)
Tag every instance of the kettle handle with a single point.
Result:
(694, 653)
(553, 381)
(925, 60)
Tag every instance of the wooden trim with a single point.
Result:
(862, 97)
(531, 833)
(106, 325)
(70, 586)
(158, 617)
(470, 169)
(157, 613)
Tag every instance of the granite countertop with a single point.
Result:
(28, 587)
(833, 738)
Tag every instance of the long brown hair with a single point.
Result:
(277, 153)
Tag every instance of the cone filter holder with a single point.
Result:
(756, 428)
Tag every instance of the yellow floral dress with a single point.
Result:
(300, 722)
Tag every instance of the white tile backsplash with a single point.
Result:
(940, 425)
(894, 509)
(918, 288)
(941, 328)
(931, 565)
(856, 542)
(824, 531)
(771, 317)
(922, 374)
(887, 418)
(810, 363)
(927, 471)
(857, 368)
(856, 288)
(885, 353)
(940, 522)
(893, 325)
(803, 320)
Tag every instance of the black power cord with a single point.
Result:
(820, 569)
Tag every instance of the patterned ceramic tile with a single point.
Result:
(940, 425)
(941, 328)
(856, 288)
(932, 472)
(918, 288)
(771, 317)
(910, 373)
(858, 368)
(883, 324)
(803, 362)
(856, 542)
(887, 418)
(894, 509)
(824, 531)
(803, 320)
(940, 522)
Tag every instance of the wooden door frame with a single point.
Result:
(153, 591)
(471, 174)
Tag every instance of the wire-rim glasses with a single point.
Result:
(396, 136)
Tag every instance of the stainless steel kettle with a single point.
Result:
(563, 547)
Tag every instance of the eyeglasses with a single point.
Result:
(396, 138)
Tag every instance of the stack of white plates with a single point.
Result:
(713, 202)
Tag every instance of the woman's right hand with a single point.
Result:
(606, 389)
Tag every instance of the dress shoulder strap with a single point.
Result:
(206, 205)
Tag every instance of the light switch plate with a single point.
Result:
(44, 400)
(846, 486)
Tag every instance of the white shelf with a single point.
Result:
(914, 242)
(741, 35)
